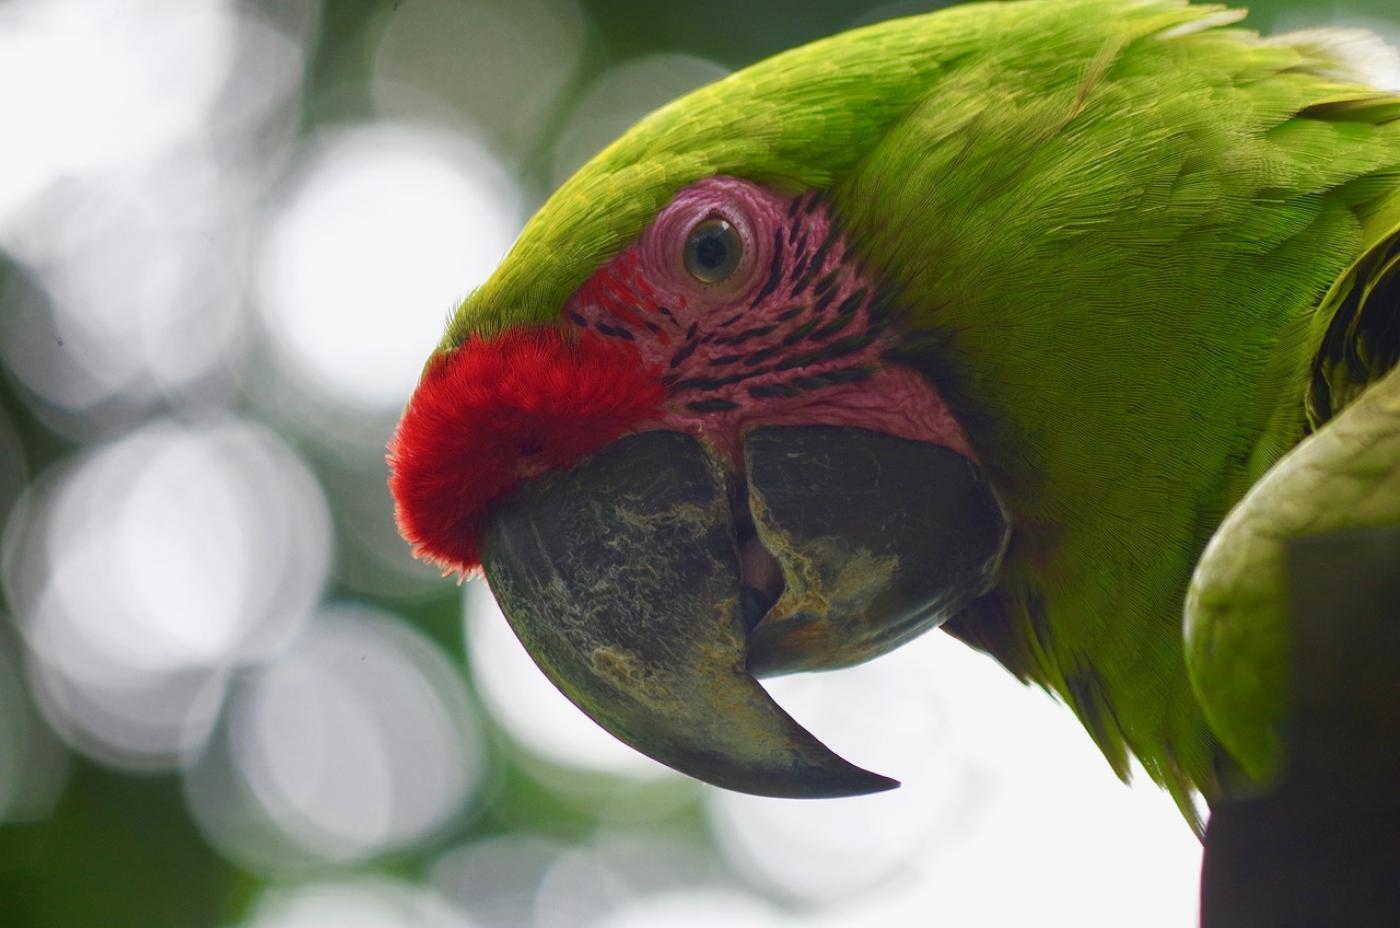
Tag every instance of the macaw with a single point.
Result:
(1046, 322)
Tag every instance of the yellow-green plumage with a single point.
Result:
(1120, 231)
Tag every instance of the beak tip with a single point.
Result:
(871, 783)
(847, 781)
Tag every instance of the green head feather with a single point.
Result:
(802, 119)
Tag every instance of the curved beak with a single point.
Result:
(622, 578)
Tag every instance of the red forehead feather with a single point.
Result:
(496, 410)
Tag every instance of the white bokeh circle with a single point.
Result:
(383, 230)
(142, 570)
(357, 741)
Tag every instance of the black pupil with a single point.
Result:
(711, 251)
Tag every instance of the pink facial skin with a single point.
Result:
(797, 335)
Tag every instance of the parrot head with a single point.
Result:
(712, 467)
(980, 319)
(674, 431)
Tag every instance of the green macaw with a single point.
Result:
(1048, 322)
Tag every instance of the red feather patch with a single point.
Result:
(498, 410)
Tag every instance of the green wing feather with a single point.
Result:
(1345, 476)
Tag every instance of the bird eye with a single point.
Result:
(712, 251)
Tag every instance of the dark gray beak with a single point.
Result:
(622, 578)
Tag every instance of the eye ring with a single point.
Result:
(713, 250)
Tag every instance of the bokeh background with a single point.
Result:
(230, 232)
